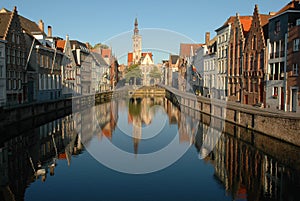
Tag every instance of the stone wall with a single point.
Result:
(283, 126)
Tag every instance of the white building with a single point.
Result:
(223, 34)
(205, 62)
(2, 73)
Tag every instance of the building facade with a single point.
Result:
(223, 36)
(2, 73)
(68, 70)
(255, 60)
(16, 54)
(239, 30)
(293, 63)
(277, 91)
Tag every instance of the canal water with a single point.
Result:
(144, 148)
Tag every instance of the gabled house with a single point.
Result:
(83, 67)
(255, 60)
(239, 30)
(43, 71)
(16, 54)
(68, 71)
(99, 68)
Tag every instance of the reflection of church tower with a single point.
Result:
(137, 133)
(137, 44)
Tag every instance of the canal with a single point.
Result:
(143, 148)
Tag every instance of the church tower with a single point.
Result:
(137, 44)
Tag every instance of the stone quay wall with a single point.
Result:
(280, 125)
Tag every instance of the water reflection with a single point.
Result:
(248, 166)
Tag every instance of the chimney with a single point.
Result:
(88, 45)
(41, 25)
(272, 13)
(207, 38)
(49, 31)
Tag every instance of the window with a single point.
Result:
(13, 37)
(298, 22)
(41, 60)
(18, 39)
(15, 84)
(254, 42)
(275, 91)
(296, 44)
(20, 84)
(1, 71)
(8, 56)
(13, 57)
(277, 27)
(295, 69)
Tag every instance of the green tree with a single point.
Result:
(155, 73)
(133, 71)
(100, 45)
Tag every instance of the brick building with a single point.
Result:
(239, 30)
(255, 60)
(16, 54)
(293, 63)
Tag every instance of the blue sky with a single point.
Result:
(97, 21)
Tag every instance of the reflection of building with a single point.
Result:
(248, 173)
(20, 155)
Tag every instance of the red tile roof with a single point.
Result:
(60, 44)
(106, 53)
(246, 22)
(145, 53)
(264, 19)
(185, 49)
(130, 57)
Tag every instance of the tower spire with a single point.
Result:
(136, 29)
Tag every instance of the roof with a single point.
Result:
(144, 54)
(106, 53)
(77, 44)
(212, 41)
(185, 48)
(230, 20)
(174, 59)
(30, 25)
(293, 5)
(99, 59)
(4, 21)
(264, 19)
(246, 22)
(26, 24)
(60, 44)
(130, 57)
